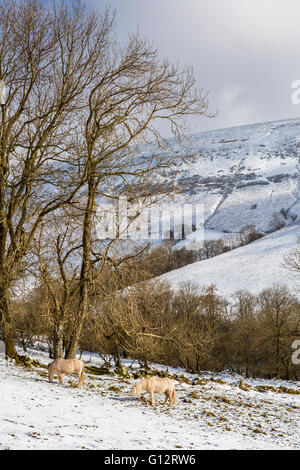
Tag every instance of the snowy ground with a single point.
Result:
(35, 414)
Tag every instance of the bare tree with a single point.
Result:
(77, 109)
(56, 251)
(134, 322)
(245, 330)
(49, 56)
(291, 260)
(135, 91)
(279, 323)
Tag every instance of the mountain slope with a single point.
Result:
(253, 267)
(242, 175)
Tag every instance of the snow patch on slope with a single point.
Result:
(253, 267)
(242, 175)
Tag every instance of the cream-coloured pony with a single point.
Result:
(154, 385)
(66, 366)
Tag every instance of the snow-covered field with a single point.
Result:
(253, 267)
(213, 413)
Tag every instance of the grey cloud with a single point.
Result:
(245, 52)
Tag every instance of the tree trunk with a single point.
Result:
(8, 336)
(6, 326)
(58, 342)
(278, 355)
(146, 365)
(24, 343)
(117, 357)
(247, 367)
(74, 340)
(71, 352)
(85, 267)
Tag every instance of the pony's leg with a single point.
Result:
(82, 376)
(174, 397)
(79, 378)
(60, 378)
(167, 397)
(152, 398)
(50, 376)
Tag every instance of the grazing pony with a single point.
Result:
(66, 366)
(156, 385)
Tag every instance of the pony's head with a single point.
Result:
(138, 388)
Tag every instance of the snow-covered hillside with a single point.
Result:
(253, 267)
(242, 175)
(212, 413)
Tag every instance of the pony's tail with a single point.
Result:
(174, 396)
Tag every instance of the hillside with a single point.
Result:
(253, 267)
(242, 175)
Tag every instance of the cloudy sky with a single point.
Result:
(245, 52)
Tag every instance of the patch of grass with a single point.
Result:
(187, 400)
(258, 431)
(290, 391)
(265, 388)
(25, 361)
(222, 418)
(281, 389)
(200, 382)
(113, 388)
(209, 413)
(93, 370)
(182, 379)
(43, 374)
(122, 372)
(124, 381)
(143, 399)
(73, 385)
(247, 405)
(223, 399)
(218, 381)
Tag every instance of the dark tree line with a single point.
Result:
(192, 328)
